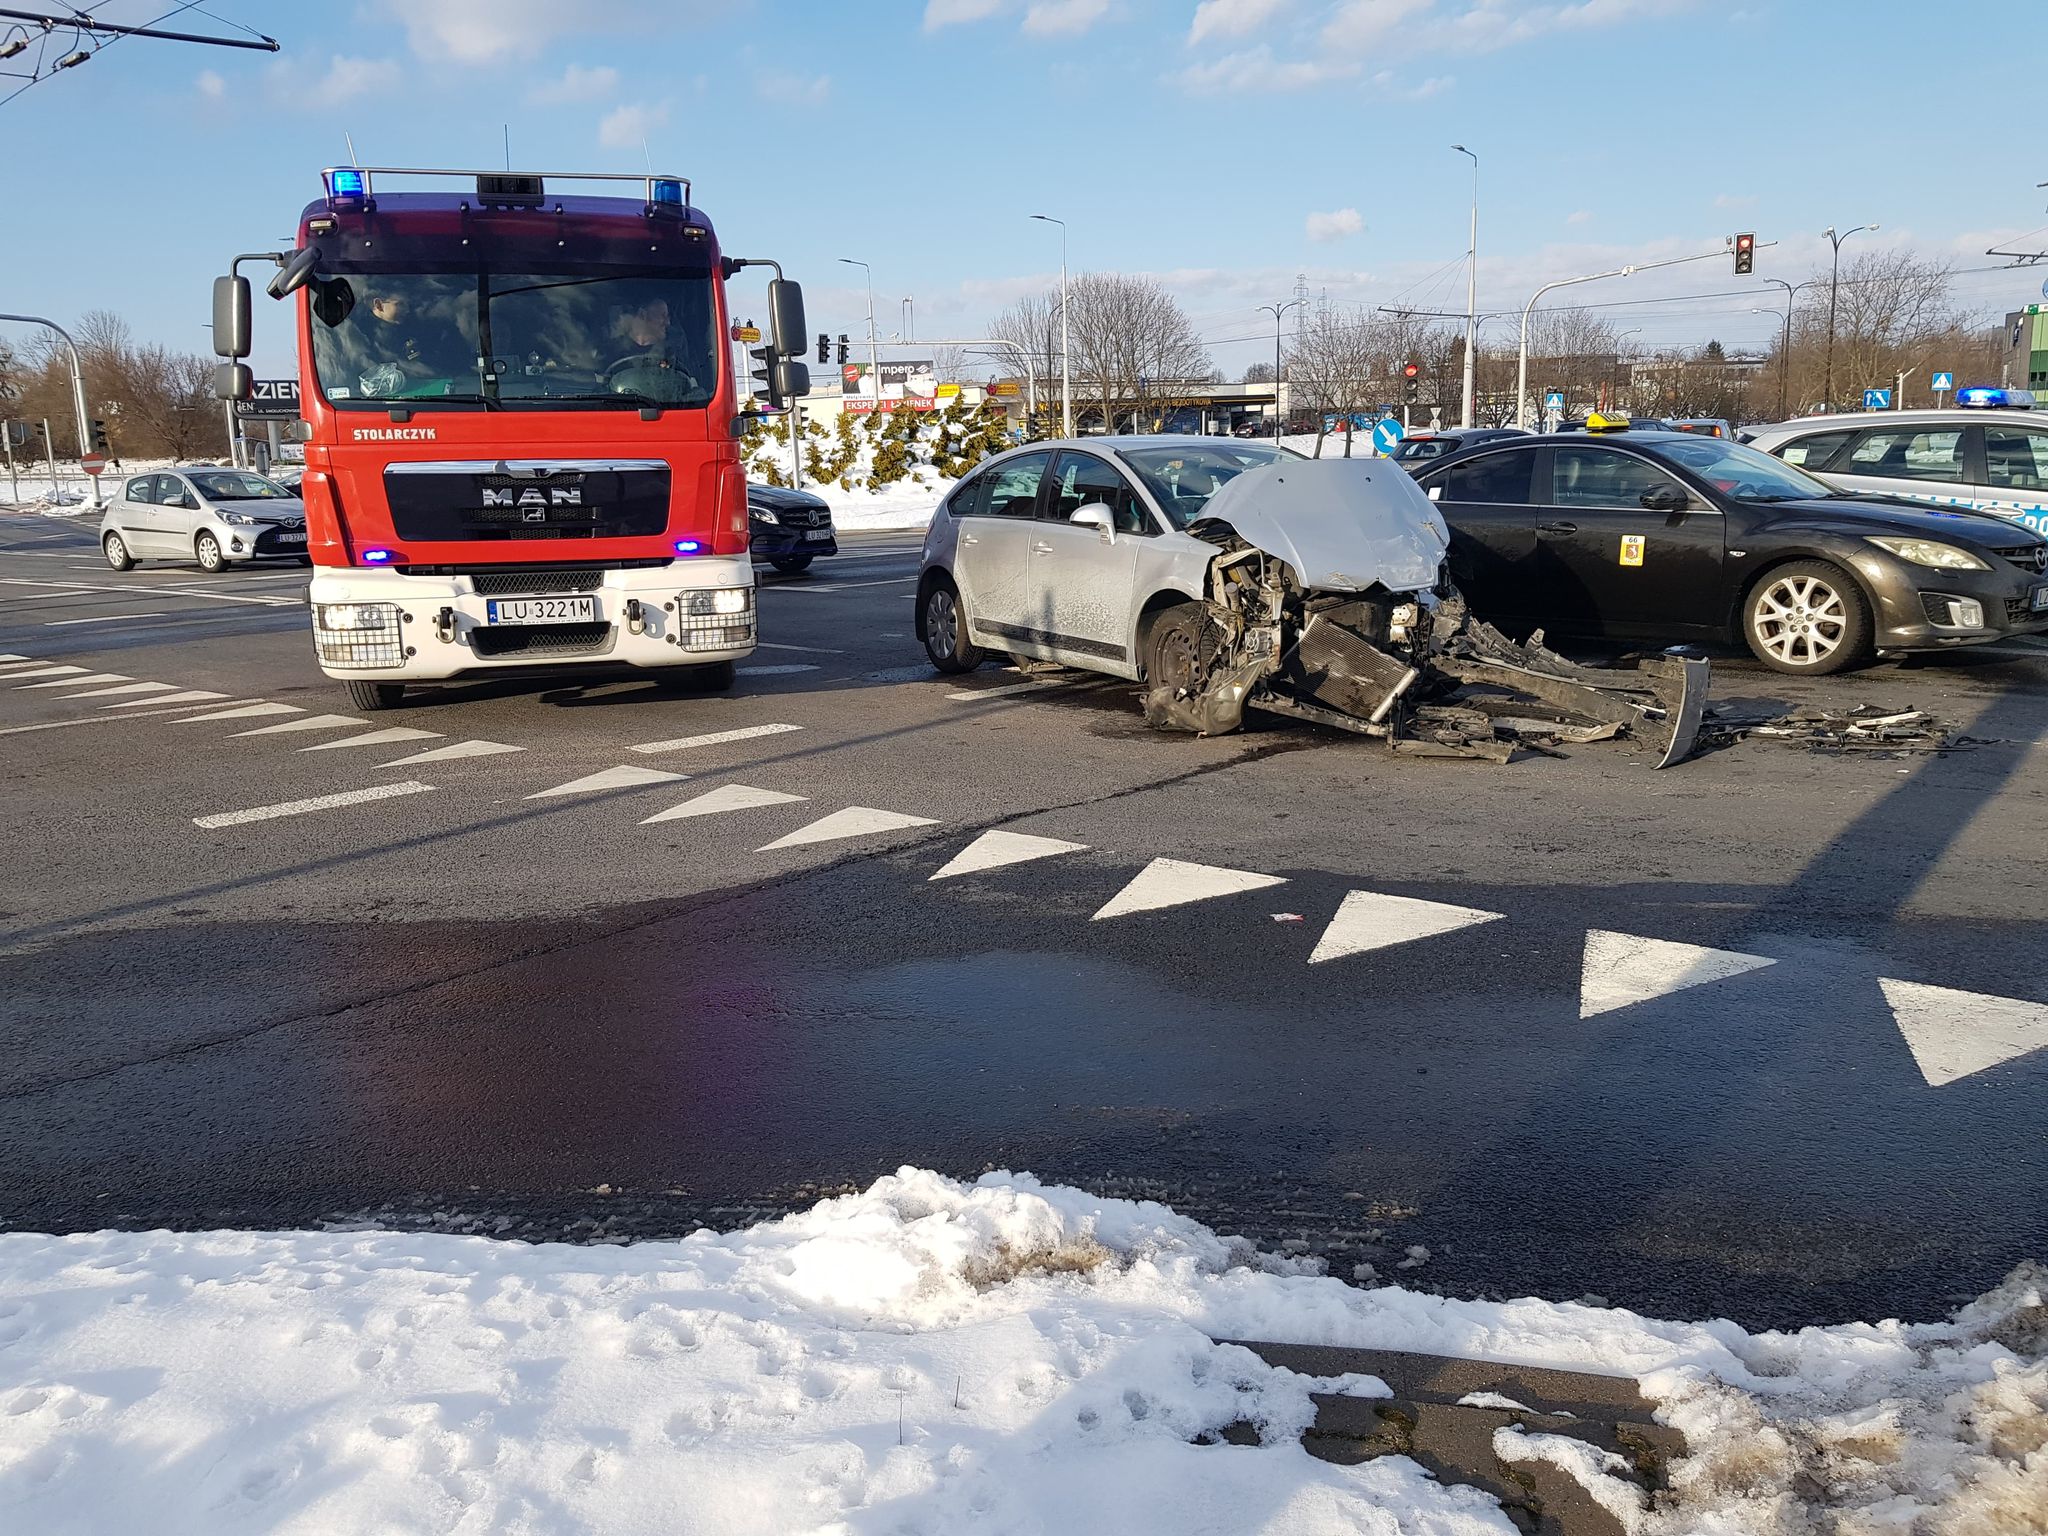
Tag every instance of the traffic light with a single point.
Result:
(765, 356)
(1745, 255)
(842, 349)
(99, 436)
(1413, 389)
(1410, 370)
(824, 348)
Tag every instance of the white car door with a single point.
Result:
(1924, 462)
(991, 550)
(2016, 473)
(1082, 580)
(144, 516)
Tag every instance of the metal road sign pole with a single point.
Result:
(50, 448)
(13, 479)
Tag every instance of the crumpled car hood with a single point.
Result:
(1342, 524)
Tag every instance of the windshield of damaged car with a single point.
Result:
(505, 340)
(1182, 480)
(1747, 474)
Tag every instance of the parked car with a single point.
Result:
(1993, 460)
(1665, 536)
(288, 475)
(1420, 448)
(1705, 426)
(789, 528)
(215, 517)
(1636, 423)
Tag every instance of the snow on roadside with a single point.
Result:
(925, 1355)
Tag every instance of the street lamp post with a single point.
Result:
(1471, 295)
(910, 319)
(1276, 311)
(1522, 367)
(77, 393)
(1834, 293)
(1785, 349)
(874, 354)
(1066, 373)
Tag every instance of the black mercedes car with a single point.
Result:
(1419, 449)
(1667, 536)
(789, 529)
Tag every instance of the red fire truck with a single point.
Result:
(523, 426)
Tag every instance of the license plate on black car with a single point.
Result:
(541, 610)
(2040, 600)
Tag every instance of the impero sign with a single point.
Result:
(277, 398)
(910, 386)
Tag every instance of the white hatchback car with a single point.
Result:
(213, 517)
(1986, 460)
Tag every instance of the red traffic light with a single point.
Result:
(1745, 242)
(1410, 370)
(1745, 254)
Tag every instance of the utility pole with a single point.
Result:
(50, 448)
(874, 354)
(1066, 371)
(1785, 349)
(13, 478)
(1834, 293)
(1471, 295)
(1276, 311)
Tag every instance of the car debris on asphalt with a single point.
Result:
(1866, 729)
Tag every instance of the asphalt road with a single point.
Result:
(473, 1003)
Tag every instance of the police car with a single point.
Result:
(1988, 452)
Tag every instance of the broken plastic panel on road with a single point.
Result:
(1327, 602)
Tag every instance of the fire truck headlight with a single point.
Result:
(356, 615)
(358, 634)
(716, 600)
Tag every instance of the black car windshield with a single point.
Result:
(1182, 479)
(1747, 474)
(518, 341)
(233, 485)
(1423, 447)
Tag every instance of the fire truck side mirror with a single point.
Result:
(233, 381)
(295, 273)
(786, 328)
(231, 317)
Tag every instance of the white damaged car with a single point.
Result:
(1228, 576)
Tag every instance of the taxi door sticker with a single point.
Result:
(1632, 549)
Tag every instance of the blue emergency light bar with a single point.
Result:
(1986, 397)
(667, 191)
(345, 184)
(352, 186)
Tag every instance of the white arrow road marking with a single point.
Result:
(992, 850)
(610, 778)
(243, 712)
(189, 696)
(727, 797)
(455, 750)
(11, 656)
(715, 738)
(1621, 969)
(317, 803)
(103, 693)
(1954, 1034)
(105, 618)
(74, 682)
(310, 723)
(1369, 920)
(782, 670)
(44, 672)
(1175, 883)
(969, 695)
(854, 821)
(382, 738)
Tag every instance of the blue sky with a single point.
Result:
(1224, 146)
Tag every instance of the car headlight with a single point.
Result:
(763, 515)
(238, 519)
(716, 600)
(355, 615)
(1941, 557)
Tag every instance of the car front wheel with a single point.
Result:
(116, 550)
(1807, 618)
(942, 622)
(207, 549)
(790, 565)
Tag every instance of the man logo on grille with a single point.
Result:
(534, 497)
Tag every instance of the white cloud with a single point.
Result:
(625, 126)
(1422, 90)
(1339, 225)
(1231, 18)
(488, 31)
(1734, 200)
(211, 86)
(580, 82)
(1582, 216)
(1063, 18)
(344, 80)
(946, 13)
(1365, 26)
(795, 90)
(1255, 69)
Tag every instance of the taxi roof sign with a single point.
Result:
(1597, 421)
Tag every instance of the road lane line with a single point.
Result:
(104, 618)
(102, 693)
(64, 725)
(821, 650)
(969, 695)
(45, 672)
(373, 738)
(714, 738)
(854, 821)
(727, 797)
(448, 753)
(78, 682)
(189, 696)
(245, 712)
(779, 669)
(72, 588)
(627, 776)
(310, 723)
(317, 803)
(843, 586)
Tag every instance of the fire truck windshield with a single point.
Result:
(515, 341)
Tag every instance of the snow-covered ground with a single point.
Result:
(926, 1356)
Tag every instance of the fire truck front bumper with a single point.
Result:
(394, 626)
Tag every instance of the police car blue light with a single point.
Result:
(1984, 397)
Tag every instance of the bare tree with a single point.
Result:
(1135, 352)
(1258, 373)
(1333, 368)
(1895, 311)
(1033, 323)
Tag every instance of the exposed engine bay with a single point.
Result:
(1327, 601)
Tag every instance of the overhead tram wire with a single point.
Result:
(104, 34)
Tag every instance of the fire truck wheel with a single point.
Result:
(375, 695)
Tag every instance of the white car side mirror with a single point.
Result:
(1097, 516)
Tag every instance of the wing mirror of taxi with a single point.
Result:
(1663, 498)
(1097, 516)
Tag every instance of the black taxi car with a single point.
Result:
(1667, 536)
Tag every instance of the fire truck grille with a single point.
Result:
(512, 583)
(541, 639)
(455, 502)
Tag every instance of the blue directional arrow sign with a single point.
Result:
(1942, 383)
(1877, 399)
(1386, 433)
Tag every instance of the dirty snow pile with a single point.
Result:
(925, 1356)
